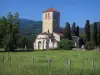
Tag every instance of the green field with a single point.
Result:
(50, 63)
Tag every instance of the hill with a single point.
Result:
(30, 27)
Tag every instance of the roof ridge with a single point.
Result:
(51, 10)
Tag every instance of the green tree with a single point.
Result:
(99, 36)
(11, 32)
(74, 29)
(95, 34)
(66, 44)
(3, 24)
(67, 32)
(77, 31)
(21, 42)
(87, 30)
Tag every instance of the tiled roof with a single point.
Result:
(60, 34)
(49, 34)
(51, 10)
(45, 33)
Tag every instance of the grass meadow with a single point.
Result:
(54, 62)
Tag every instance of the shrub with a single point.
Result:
(89, 46)
(98, 46)
(66, 44)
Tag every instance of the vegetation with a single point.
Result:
(89, 46)
(95, 32)
(73, 29)
(2, 29)
(66, 44)
(9, 31)
(22, 63)
(81, 42)
(91, 43)
(99, 36)
(87, 30)
(77, 31)
(10, 36)
(87, 39)
(67, 32)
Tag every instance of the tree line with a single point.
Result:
(89, 40)
(68, 32)
(11, 39)
(92, 40)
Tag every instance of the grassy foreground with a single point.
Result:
(58, 62)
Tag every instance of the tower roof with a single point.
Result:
(51, 10)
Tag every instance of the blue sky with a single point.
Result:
(70, 10)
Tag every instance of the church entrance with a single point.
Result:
(39, 45)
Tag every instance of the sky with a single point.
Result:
(77, 11)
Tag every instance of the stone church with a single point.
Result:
(51, 33)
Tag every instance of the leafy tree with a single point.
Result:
(73, 29)
(77, 31)
(95, 34)
(2, 29)
(11, 32)
(87, 30)
(66, 44)
(67, 32)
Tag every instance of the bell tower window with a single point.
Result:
(46, 16)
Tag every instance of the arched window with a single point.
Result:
(39, 45)
(46, 16)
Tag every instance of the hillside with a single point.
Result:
(30, 27)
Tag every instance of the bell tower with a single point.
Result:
(50, 20)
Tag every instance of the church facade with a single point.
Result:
(50, 36)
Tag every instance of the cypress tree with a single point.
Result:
(87, 30)
(77, 31)
(73, 29)
(99, 36)
(67, 32)
(95, 34)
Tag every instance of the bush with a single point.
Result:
(98, 46)
(66, 44)
(89, 46)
